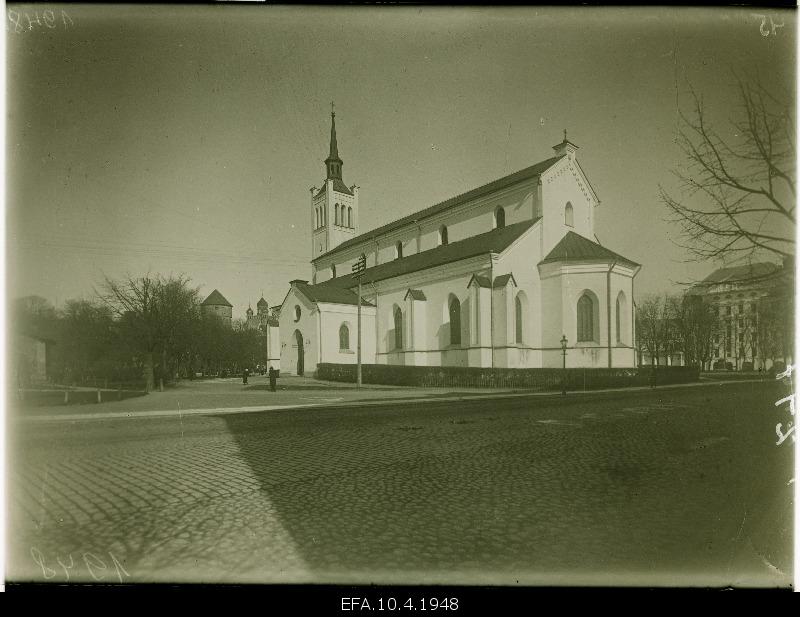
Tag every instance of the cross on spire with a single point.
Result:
(565, 134)
(333, 111)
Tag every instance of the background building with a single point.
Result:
(216, 304)
(754, 308)
(265, 320)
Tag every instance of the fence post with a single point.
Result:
(99, 397)
(66, 397)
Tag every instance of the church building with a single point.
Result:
(494, 277)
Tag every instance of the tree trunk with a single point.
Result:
(148, 372)
(163, 370)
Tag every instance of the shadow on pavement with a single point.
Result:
(487, 489)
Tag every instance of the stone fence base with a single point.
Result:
(543, 379)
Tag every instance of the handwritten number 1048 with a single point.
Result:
(21, 22)
(94, 565)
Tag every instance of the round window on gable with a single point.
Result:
(297, 313)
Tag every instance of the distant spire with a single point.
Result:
(333, 163)
(334, 153)
(565, 134)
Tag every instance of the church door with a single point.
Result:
(300, 351)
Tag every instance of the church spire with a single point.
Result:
(333, 163)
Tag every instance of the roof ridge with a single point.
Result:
(495, 240)
(517, 176)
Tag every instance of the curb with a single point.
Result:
(168, 413)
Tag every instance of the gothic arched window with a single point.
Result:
(518, 319)
(344, 337)
(333, 271)
(350, 217)
(443, 236)
(586, 319)
(398, 249)
(499, 218)
(569, 217)
(398, 328)
(336, 214)
(455, 321)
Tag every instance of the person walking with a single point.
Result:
(273, 376)
(244, 376)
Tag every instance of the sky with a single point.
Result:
(184, 140)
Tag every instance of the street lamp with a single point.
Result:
(564, 364)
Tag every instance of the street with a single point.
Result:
(681, 486)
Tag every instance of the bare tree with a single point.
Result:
(156, 312)
(177, 309)
(773, 331)
(695, 321)
(133, 300)
(737, 188)
(654, 327)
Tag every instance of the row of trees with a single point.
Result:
(146, 328)
(690, 325)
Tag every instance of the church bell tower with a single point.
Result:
(334, 206)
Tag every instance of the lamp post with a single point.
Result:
(564, 364)
(358, 270)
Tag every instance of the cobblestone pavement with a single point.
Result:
(681, 486)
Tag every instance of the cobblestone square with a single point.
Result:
(677, 486)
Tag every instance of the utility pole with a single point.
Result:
(564, 365)
(358, 270)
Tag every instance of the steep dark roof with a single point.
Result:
(262, 302)
(525, 174)
(495, 241)
(216, 299)
(416, 294)
(502, 281)
(338, 185)
(331, 294)
(574, 247)
(480, 281)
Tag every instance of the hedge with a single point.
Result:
(544, 379)
(48, 398)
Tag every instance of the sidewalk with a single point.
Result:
(222, 396)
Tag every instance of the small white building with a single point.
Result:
(490, 278)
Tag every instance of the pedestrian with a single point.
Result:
(244, 376)
(273, 376)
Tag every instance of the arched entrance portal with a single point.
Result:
(298, 337)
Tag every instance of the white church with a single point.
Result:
(495, 277)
